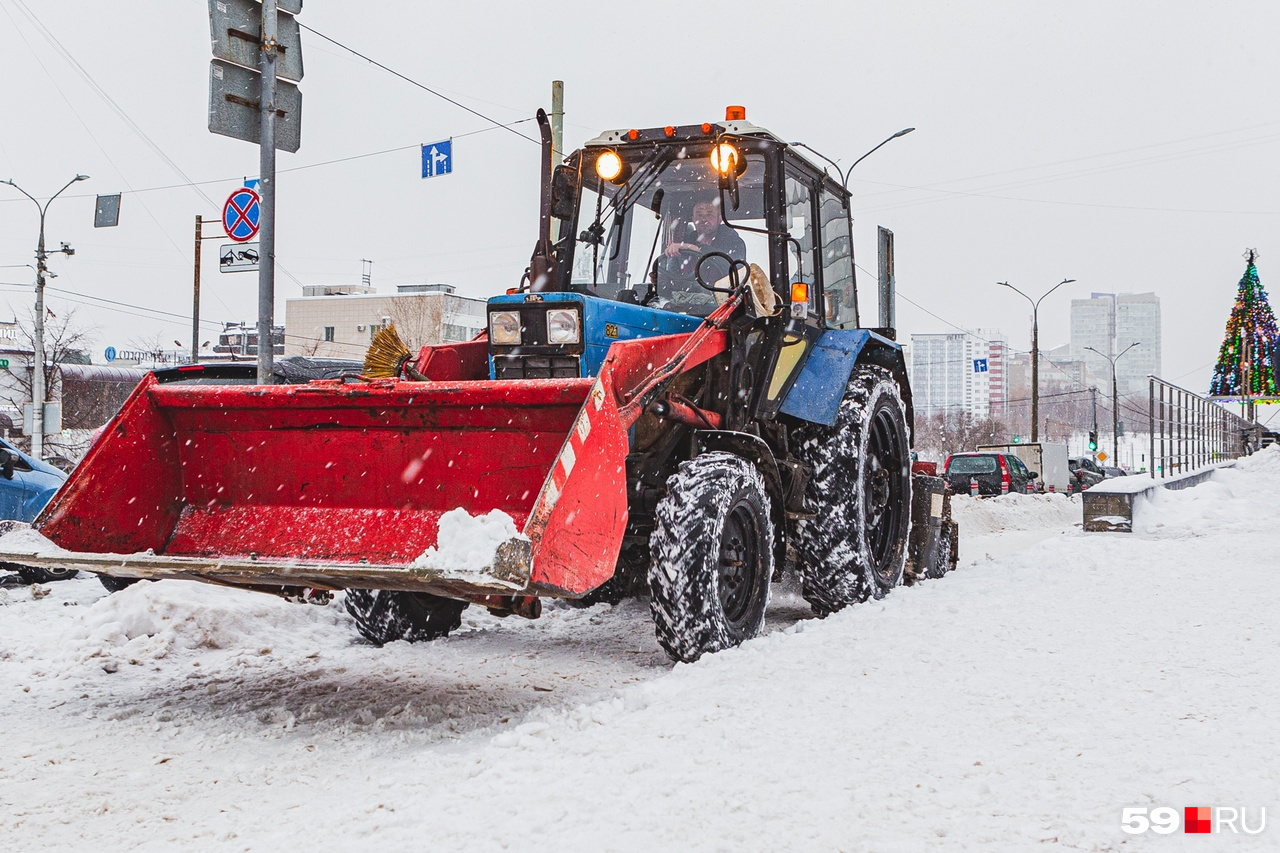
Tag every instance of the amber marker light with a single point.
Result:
(669, 131)
(799, 291)
(633, 134)
(609, 165)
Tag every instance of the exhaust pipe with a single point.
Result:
(542, 266)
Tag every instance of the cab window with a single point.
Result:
(838, 287)
(801, 254)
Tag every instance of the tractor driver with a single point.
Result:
(710, 234)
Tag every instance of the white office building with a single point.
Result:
(1109, 323)
(330, 321)
(959, 371)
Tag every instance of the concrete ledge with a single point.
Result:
(1108, 506)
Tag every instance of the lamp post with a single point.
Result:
(37, 374)
(844, 176)
(1115, 399)
(1035, 349)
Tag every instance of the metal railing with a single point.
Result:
(1189, 431)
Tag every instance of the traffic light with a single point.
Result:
(1093, 440)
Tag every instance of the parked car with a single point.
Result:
(1112, 471)
(1085, 472)
(995, 473)
(26, 485)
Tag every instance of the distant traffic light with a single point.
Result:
(1093, 440)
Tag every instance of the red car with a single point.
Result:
(991, 473)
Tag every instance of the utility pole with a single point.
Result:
(267, 191)
(37, 373)
(1035, 348)
(195, 298)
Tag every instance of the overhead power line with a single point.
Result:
(413, 82)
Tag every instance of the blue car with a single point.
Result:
(26, 485)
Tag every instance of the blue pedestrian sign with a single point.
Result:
(241, 215)
(979, 365)
(437, 159)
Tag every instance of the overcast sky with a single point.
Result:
(1129, 145)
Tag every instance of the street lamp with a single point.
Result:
(1035, 349)
(844, 182)
(845, 178)
(37, 375)
(1115, 399)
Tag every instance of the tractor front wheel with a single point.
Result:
(712, 557)
(384, 616)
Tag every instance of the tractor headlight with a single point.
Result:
(504, 328)
(725, 159)
(609, 165)
(563, 326)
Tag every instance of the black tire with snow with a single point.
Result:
(712, 557)
(855, 544)
(116, 584)
(34, 574)
(384, 616)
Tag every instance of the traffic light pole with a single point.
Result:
(1093, 433)
(267, 192)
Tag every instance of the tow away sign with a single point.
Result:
(238, 257)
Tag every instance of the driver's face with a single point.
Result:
(705, 218)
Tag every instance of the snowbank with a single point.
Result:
(147, 621)
(984, 516)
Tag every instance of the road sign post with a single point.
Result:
(244, 86)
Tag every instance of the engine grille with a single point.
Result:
(536, 367)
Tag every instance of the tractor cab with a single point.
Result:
(657, 217)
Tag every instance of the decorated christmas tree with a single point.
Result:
(1246, 361)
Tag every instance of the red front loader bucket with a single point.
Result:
(335, 485)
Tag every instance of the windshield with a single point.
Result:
(643, 241)
(971, 465)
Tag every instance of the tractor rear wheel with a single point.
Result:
(384, 616)
(854, 545)
(712, 557)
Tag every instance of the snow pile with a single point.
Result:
(1241, 498)
(468, 544)
(24, 540)
(984, 516)
(147, 621)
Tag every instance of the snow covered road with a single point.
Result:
(1024, 701)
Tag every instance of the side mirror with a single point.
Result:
(1033, 474)
(7, 459)
(562, 192)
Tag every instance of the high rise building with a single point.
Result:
(1137, 321)
(958, 371)
(1109, 323)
